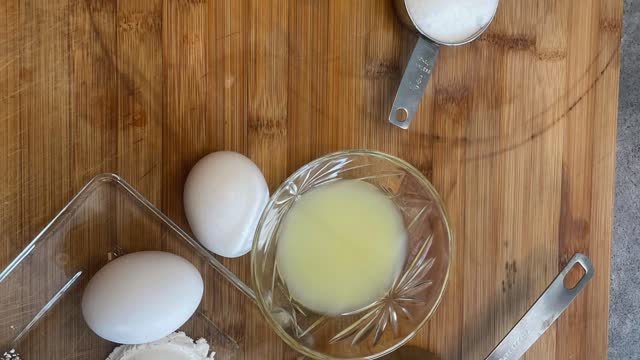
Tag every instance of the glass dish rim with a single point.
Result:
(145, 203)
(259, 299)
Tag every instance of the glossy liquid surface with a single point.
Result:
(341, 247)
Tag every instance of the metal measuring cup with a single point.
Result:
(418, 71)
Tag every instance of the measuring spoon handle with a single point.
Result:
(414, 82)
(543, 313)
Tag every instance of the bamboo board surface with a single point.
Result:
(517, 131)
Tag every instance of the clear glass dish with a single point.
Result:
(41, 290)
(391, 321)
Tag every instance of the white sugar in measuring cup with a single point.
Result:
(439, 22)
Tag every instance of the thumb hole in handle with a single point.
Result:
(573, 277)
(577, 273)
(402, 114)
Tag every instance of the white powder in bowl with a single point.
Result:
(451, 21)
(177, 346)
(11, 355)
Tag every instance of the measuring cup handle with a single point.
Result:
(414, 82)
(544, 312)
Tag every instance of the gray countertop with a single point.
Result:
(624, 323)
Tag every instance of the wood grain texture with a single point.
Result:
(517, 132)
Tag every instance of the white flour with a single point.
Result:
(451, 21)
(11, 355)
(177, 346)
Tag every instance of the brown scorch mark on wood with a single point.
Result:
(509, 42)
(378, 69)
(551, 54)
(140, 22)
(610, 25)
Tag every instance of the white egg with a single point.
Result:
(141, 297)
(224, 196)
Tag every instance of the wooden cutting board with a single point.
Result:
(517, 131)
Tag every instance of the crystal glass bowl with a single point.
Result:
(394, 319)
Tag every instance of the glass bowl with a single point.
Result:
(41, 289)
(390, 322)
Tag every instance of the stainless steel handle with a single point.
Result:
(414, 82)
(543, 313)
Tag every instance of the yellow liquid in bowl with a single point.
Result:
(341, 247)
